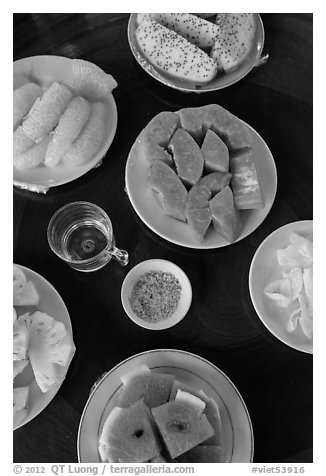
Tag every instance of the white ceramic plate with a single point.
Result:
(45, 70)
(149, 210)
(157, 265)
(191, 370)
(263, 270)
(221, 81)
(52, 304)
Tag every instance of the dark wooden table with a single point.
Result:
(222, 326)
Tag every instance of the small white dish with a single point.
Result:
(264, 269)
(189, 369)
(150, 212)
(52, 304)
(157, 265)
(45, 70)
(220, 81)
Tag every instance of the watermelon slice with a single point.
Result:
(187, 156)
(215, 153)
(130, 431)
(171, 192)
(18, 366)
(154, 388)
(20, 398)
(157, 134)
(202, 454)
(20, 338)
(213, 416)
(215, 181)
(247, 192)
(190, 401)
(224, 215)
(181, 428)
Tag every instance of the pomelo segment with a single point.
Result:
(24, 98)
(246, 189)
(171, 192)
(90, 80)
(224, 215)
(215, 153)
(21, 143)
(181, 429)
(33, 156)
(153, 387)
(70, 125)
(46, 111)
(131, 429)
(90, 138)
(187, 156)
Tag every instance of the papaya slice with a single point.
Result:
(224, 215)
(187, 156)
(246, 189)
(215, 153)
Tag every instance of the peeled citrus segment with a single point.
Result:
(21, 143)
(20, 338)
(24, 98)
(50, 348)
(33, 156)
(19, 366)
(20, 403)
(90, 138)
(90, 80)
(46, 111)
(70, 125)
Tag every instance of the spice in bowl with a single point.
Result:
(155, 296)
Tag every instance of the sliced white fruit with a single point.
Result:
(190, 401)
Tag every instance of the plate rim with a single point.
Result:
(164, 350)
(250, 284)
(51, 393)
(199, 246)
(170, 322)
(169, 82)
(112, 121)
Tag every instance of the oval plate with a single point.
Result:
(149, 210)
(52, 304)
(221, 81)
(45, 70)
(191, 370)
(263, 270)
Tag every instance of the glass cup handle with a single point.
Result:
(120, 255)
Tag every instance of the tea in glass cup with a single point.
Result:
(81, 234)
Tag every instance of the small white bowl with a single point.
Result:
(157, 265)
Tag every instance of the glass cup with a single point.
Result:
(81, 234)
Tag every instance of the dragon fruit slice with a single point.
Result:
(173, 54)
(196, 30)
(19, 404)
(234, 41)
(49, 350)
